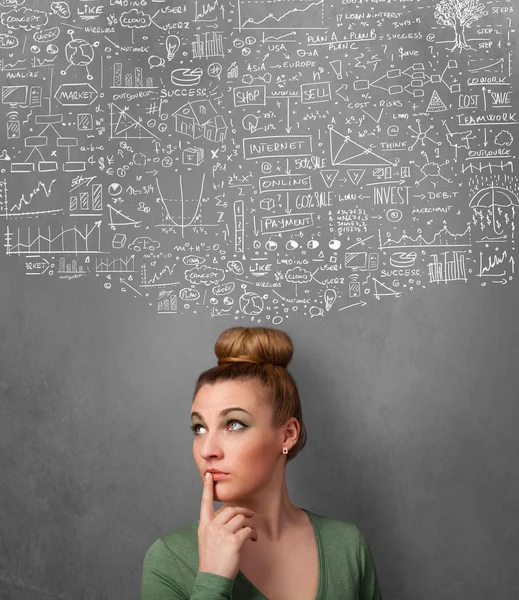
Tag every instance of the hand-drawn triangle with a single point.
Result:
(329, 176)
(436, 104)
(355, 175)
(125, 127)
(124, 219)
(342, 149)
(381, 289)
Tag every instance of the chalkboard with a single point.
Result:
(343, 170)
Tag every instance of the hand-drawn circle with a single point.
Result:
(167, 161)
(394, 215)
(251, 304)
(115, 188)
(266, 167)
(334, 244)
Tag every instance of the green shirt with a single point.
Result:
(346, 567)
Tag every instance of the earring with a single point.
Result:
(285, 450)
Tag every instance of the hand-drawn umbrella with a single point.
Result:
(493, 196)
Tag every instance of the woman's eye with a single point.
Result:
(194, 427)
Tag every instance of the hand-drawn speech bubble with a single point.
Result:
(156, 61)
(8, 41)
(135, 19)
(24, 18)
(61, 9)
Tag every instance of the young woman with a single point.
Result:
(247, 421)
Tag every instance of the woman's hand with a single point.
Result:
(221, 537)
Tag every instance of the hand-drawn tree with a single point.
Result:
(459, 14)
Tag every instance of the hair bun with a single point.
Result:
(259, 345)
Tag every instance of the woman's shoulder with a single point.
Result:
(335, 530)
(182, 540)
(332, 524)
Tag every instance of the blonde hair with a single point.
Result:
(260, 354)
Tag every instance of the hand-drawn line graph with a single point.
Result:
(208, 9)
(176, 222)
(155, 280)
(69, 241)
(441, 238)
(487, 268)
(116, 265)
(281, 15)
(14, 211)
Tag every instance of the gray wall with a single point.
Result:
(411, 411)
(408, 376)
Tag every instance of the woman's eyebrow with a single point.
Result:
(222, 412)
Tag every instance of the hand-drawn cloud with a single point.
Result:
(135, 18)
(204, 274)
(24, 18)
(235, 266)
(298, 275)
(431, 168)
(503, 138)
(8, 41)
(47, 35)
(11, 3)
(61, 9)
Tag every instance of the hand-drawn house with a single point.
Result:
(200, 119)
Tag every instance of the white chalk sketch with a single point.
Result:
(459, 15)
(260, 160)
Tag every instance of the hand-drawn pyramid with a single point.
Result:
(436, 103)
(344, 151)
(125, 127)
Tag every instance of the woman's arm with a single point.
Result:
(369, 588)
(162, 579)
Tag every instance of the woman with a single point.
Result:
(247, 421)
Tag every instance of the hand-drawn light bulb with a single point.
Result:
(330, 296)
(172, 45)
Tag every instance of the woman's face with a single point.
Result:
(242, 444)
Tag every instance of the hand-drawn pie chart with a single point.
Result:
(115, 188)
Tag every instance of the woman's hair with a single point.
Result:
(262, 355)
